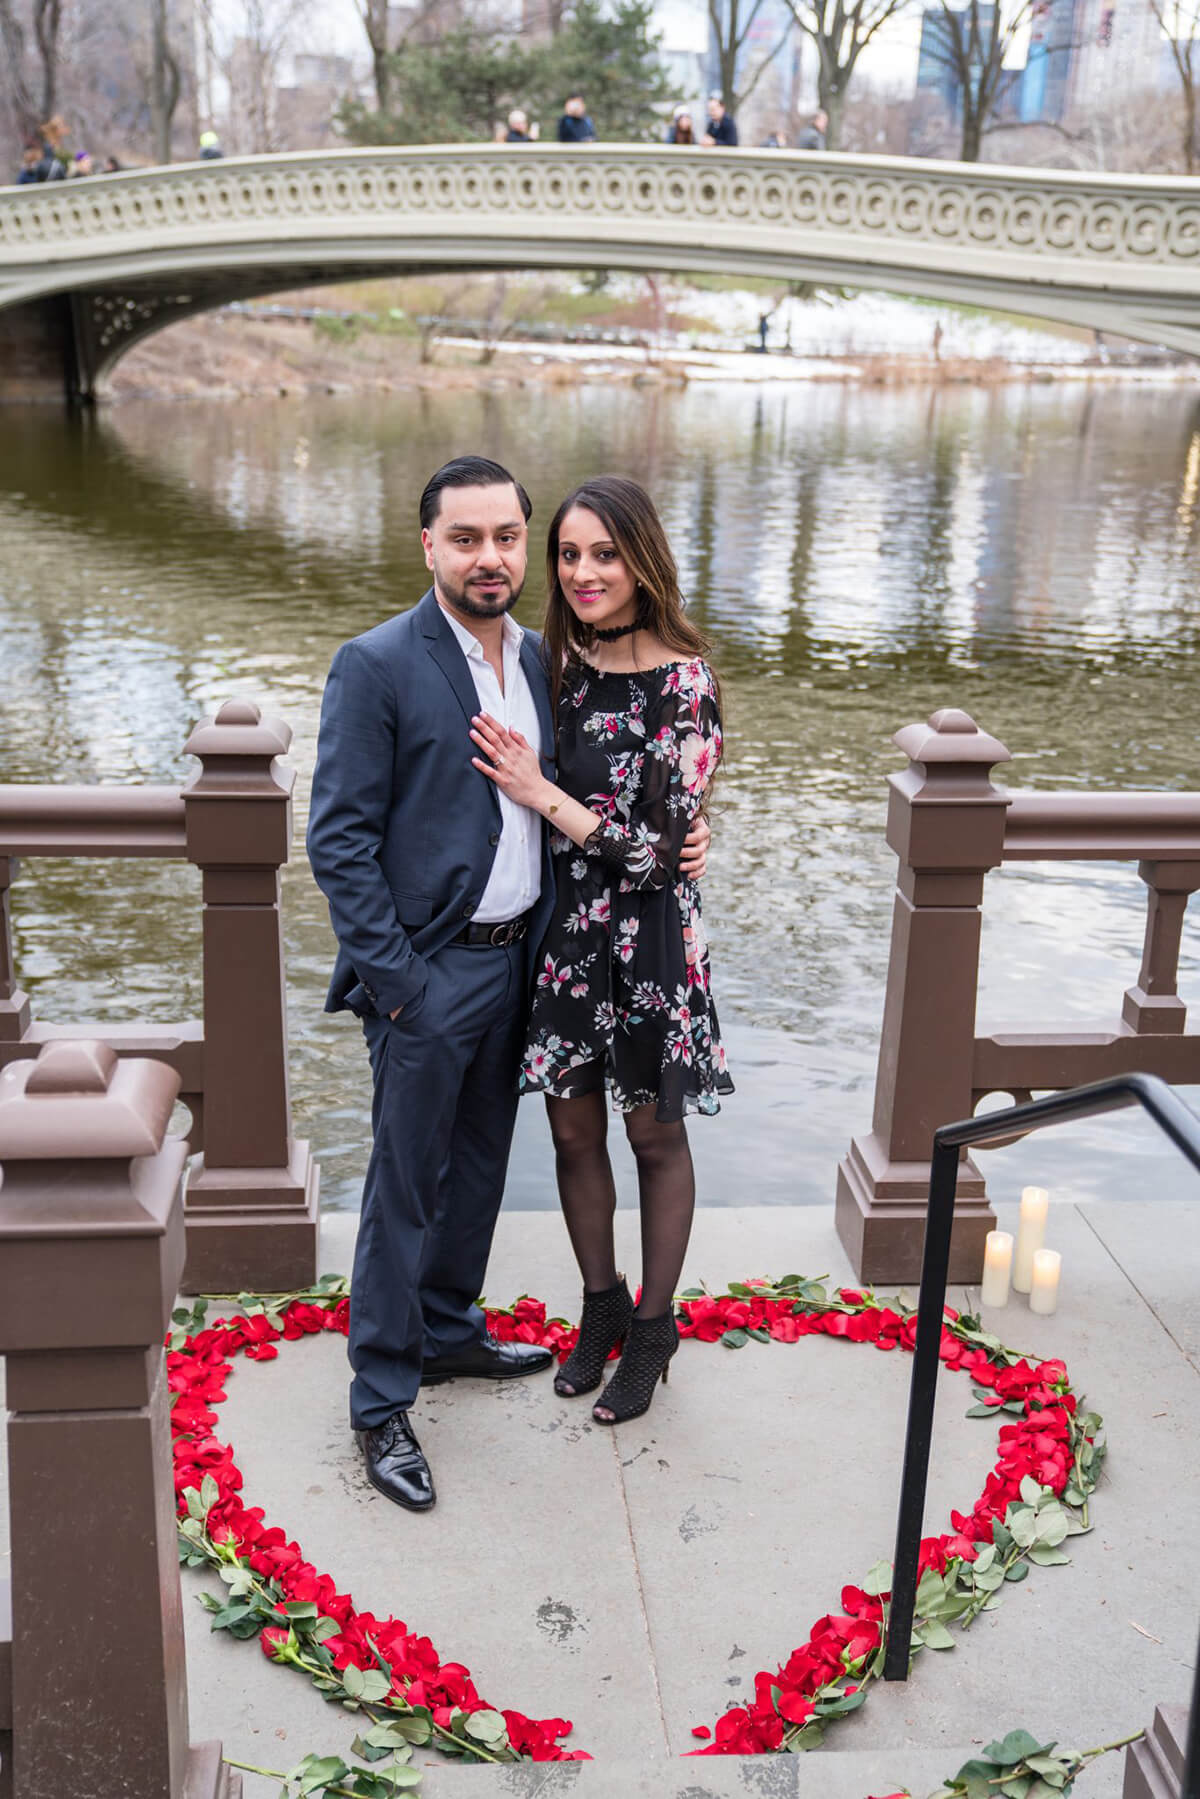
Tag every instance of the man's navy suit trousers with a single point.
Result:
(445, 1105)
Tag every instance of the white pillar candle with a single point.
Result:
(1043, 1293)
(1031, 1234)
(997, 1267)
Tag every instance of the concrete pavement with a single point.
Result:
(635, 1580)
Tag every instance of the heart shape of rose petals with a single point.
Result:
(822, 1679)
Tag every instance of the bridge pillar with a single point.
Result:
(946, 824)
(37, 351)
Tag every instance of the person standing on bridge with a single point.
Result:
(722, 131)
(575, 127)
(439, 889)
(813, 135)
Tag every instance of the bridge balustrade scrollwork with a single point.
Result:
(1119, 253)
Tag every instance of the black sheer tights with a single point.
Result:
(666, 1189)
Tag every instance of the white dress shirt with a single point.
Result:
(516, 876)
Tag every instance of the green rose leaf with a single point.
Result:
(486, 1727)
(809, 1736)
(353, 1680)
(368, 1751)
(1053, 1526)
(1022, 1521)
(1018, 1571)
(1015, 1747)
(975, 1779)
(1048, 1555)
(935, 1635)
(878, 1579)
(317, 1771)
(735, 1339)
(1054, 1769)
(375, 1686)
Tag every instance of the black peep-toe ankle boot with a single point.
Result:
(605, 1321)
(649, 1346)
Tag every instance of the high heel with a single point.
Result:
(606, 1318)
(649, 1346)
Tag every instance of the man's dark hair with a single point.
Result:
(574, 95)
(468, 471)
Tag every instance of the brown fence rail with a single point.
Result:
(252, 1193)
(949, 824)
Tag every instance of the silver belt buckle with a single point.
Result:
(501, 936)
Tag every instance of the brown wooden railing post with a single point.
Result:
(14, 1006)
(91, 1249)
(946, 824)
(1153, 1007)
(252, 1199)
(1154, 1765)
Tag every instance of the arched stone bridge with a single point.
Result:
(87, 268)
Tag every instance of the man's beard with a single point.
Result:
(462, 599)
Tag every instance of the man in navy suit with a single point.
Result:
(439, 891)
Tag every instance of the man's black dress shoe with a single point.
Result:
(487, 1360)
(395, 1464)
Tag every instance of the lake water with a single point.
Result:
(858, 558)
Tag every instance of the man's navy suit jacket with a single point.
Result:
(402, 831)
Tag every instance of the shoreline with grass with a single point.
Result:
(554, 330)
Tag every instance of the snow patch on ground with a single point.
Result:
(861, 324)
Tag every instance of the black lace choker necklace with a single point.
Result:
(615, 631)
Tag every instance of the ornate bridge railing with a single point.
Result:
(94, 265)
(949, 825)
(252, 1196)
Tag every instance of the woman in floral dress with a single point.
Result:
(623, 998)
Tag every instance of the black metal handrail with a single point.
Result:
(1182, 1126)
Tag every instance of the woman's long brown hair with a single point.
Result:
(628, 515)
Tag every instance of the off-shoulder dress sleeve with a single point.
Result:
(679, 761)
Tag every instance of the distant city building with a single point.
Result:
(1117, 53)
(683, 29)
(1045, 79)
(937, 66)
(304, 106)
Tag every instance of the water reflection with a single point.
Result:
(859, 557)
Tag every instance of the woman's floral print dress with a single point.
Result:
(622, 991)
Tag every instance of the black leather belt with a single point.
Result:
(494, 936)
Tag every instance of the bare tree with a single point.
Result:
(34, 98)
(973, 43)
(47, 23)
(732, 24)
(20, 93)
(841, 31)
(1180, 20)
(374, 15)
(164, 81)
(249, 43)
